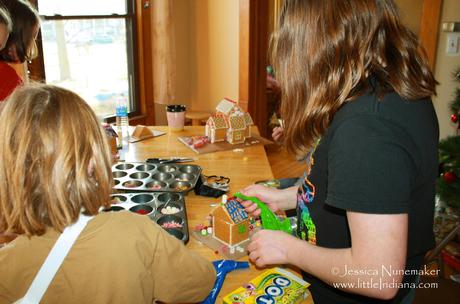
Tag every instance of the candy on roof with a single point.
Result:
(219, 121)
(236, 210)
(237, 122)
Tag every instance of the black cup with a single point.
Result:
(176, 108)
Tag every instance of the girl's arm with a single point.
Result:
(379, 244)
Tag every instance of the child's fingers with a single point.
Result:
(250, 208)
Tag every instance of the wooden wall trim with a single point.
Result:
(429, 28)
(243, 83)
(253, 60)
(36, 67)
(142, 57)
(144, 63)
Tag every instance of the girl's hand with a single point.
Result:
(268, 247)
(278, 134)
(267, 195)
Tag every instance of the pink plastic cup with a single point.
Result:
(176, 117)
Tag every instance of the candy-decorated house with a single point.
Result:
(230, 223)
(216, 128)
(229, 123)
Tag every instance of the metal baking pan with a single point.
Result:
(166, 209)
(140, 176)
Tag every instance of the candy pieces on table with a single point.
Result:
(196, 141)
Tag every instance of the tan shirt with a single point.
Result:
(119, 258)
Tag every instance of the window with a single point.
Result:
(88, 47)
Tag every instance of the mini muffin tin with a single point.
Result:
(155, 177)
(155, 206)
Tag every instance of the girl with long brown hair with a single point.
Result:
(20, 46)
(356, 97)
(55, 177)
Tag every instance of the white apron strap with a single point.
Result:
(54, 260)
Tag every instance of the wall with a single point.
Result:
(183, 39)
(411, 13)
(445, 65)
(207, 44)
(216, 45)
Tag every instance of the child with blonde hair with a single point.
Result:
(55, 177)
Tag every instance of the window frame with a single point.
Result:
(138, 34)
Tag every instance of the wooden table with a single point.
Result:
(243, 168)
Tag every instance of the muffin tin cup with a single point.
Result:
(146, 167)
(139, 175)
(142, 209)
(169, 208)
(156, 185)
(142, 198)
(156, 178)
(116, 199)
(151, 204)
(190, 169)
(124, 166)
(171, 221)
(168, 197)
(132, 184)
(114, 209)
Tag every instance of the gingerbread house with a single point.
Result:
(230, 223)
(216, 128)
(249, 123)
(236, 133)
(229, 123)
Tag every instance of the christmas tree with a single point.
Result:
(448, 183)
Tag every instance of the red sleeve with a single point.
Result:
(9, 80)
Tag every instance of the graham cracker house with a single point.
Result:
(249, 122)
(230, 223)
(216, 128)
(236, 133)
(229, 123)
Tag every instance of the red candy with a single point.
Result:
(171, 225)
(142, 211)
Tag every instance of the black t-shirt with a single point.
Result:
(377, 157)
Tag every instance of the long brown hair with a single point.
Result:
(54, 160)
(326, 51)
(25, 20)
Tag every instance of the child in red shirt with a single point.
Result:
(20, 45)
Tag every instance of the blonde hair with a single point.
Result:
(326, 51)
(54, 160)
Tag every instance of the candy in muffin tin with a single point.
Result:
(155, 177)
(160, 207)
